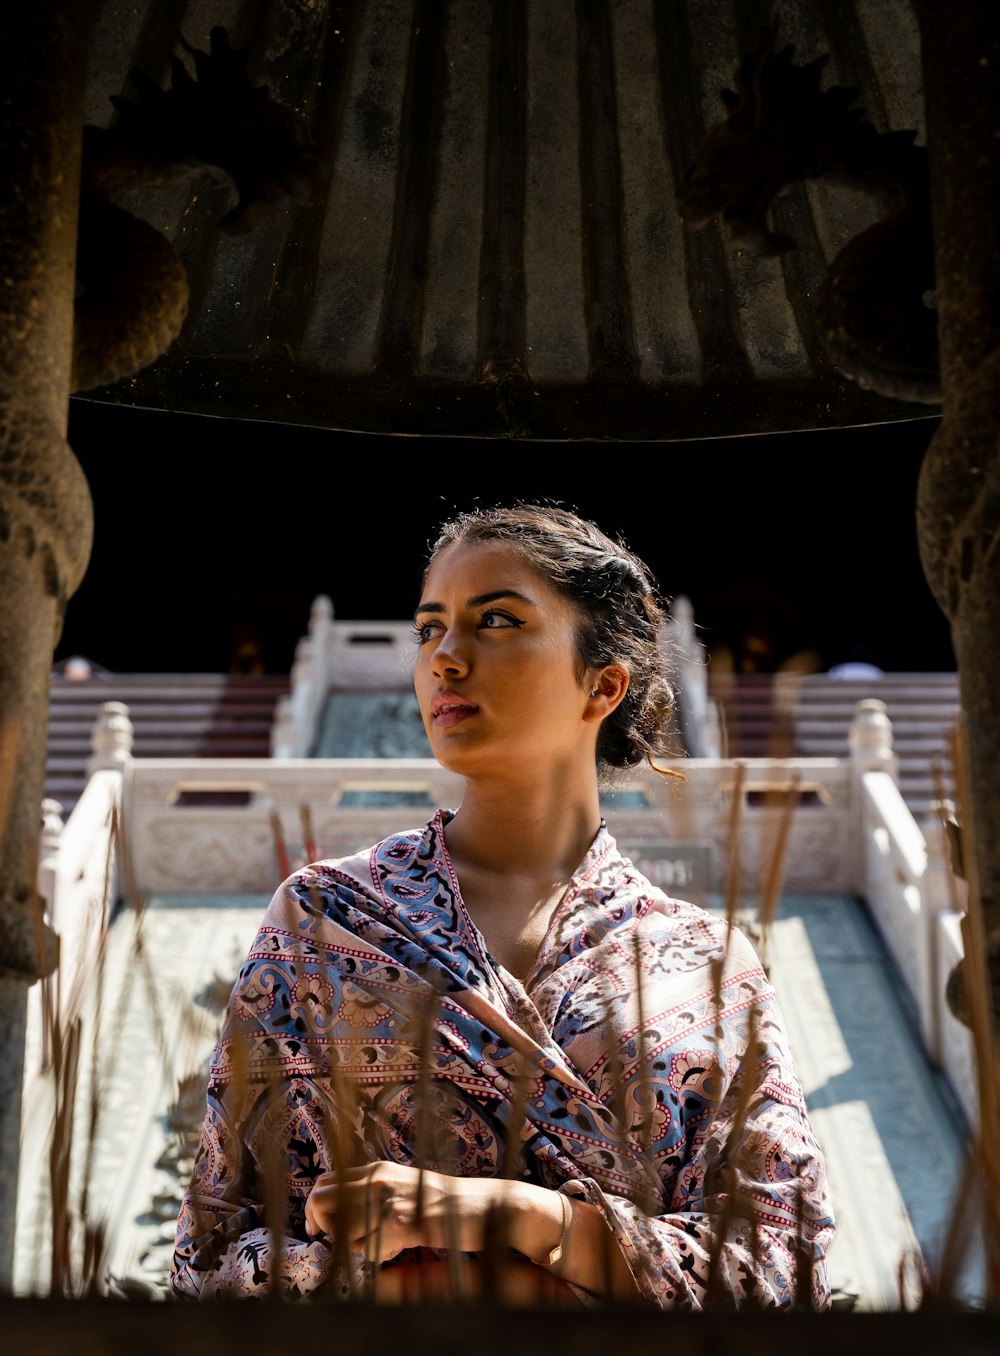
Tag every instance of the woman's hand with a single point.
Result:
(385, 1208)
(388, 1207)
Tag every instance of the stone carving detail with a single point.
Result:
(111, 739)
(870, 739)
(875, 320)
(44, 499)
(132, 289)
(178, 855)
(817, 852)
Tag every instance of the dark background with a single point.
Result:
(212, 537)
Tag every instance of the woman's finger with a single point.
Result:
(358, 1206)
(321, 1205)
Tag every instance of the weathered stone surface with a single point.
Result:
(45, 511)
(959, 496)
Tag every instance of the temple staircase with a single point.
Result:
(779, 715)
(174, 715)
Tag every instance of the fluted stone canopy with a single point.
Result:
(494, 245)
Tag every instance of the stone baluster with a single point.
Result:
(111, 739)
(283, 743)
(870, 743)
(321, 634)
(302, 665)
(686, 659)
(49, 844)
(870, 739)
(712, 734)
(310, 682)
(941, 892)
(48, 854)
(303, 678)
(942, 888)
(321, 621)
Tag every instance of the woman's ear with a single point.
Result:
(607, 688)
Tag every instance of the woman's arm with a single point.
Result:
(387, 1208)
(746, 1213)
(224, 1246)
(591, 1255)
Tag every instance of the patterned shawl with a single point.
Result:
(642, 1066)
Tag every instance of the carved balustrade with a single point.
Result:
(337, 656)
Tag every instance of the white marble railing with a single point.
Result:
(335, 656)
(77, 877)
(183, 839)
(918, 907)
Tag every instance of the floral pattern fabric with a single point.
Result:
(642, 1066)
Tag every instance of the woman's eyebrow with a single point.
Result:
(478, 600)
(481, 598)
(428, 607)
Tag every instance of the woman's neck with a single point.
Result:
(531, 827)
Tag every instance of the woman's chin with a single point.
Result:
(456, 755)
(445, 745)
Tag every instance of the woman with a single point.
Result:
(495, 1026)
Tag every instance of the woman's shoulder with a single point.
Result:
(363, 870)
(683, 919)
(357, 864)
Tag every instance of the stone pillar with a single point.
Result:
(283, 744)
(686, 659)
(321, 621)
(870, 743)
(958, 511)
(45, 510)
(111, 739)
(711, 746)
(49, 843)
(870, 740)
(302, 696)
(321, 635)
(939, 895)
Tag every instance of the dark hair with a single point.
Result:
(620, 616)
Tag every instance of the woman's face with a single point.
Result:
(497, 669)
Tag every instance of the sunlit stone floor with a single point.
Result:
(890, 1127)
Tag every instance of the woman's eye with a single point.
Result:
(422, 634)
(491, 621)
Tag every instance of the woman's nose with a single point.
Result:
(449, 659)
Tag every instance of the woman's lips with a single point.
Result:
(451, 711)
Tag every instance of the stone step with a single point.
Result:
(757, 710)
(173, 716)
(181, 728)
(888, 680)
(833, 743)
(212, 746)
(947, 712)
(163, 699)
(63, 712)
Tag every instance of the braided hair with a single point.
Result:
(620, 618)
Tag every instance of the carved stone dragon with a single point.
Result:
(875, 317)
(132, 288)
